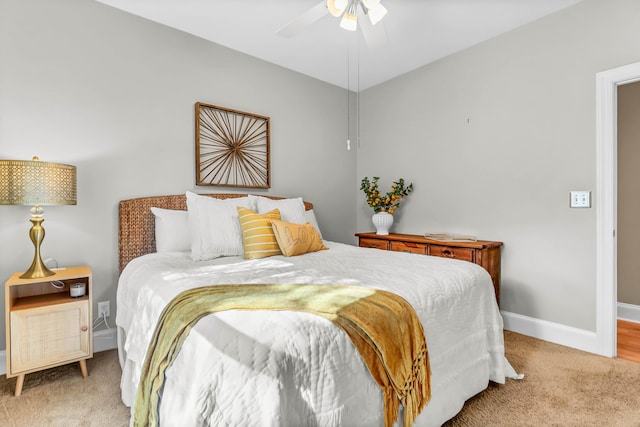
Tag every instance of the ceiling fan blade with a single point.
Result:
(374, 36)
(304, 20)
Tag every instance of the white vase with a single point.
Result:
(382, 221)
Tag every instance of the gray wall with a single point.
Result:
(628, 193)
(495, 137)
(89, 85)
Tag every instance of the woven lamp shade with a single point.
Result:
(35, 183)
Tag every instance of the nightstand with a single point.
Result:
(46, 327)
(485, 253)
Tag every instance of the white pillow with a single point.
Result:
(291, 210)
(172, 230)
(214, 226)
(310, 216)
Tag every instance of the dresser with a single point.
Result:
(485, 253)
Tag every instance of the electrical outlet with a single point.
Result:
(104, 307)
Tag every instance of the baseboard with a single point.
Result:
(552, 332)
(102, 340)
(629, 312)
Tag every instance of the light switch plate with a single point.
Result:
(580, 199)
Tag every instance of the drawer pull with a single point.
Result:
(83, 328)
(448, 253)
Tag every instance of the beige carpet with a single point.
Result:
(562, 387)
(60, 397)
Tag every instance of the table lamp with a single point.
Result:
(37, 184)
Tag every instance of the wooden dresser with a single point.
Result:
(482, 252)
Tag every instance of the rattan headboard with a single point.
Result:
(136, 236)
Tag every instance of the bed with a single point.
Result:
(265, 368)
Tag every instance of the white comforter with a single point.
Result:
(241, 368)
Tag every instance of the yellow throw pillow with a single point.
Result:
(297, 239)
(258, 240)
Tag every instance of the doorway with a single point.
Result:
(607, 83)
(628, 212)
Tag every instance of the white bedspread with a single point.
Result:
(241, 368)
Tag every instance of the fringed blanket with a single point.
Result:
(383, 327)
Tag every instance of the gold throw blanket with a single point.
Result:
(383, 327)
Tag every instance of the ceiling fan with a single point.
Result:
(349, 10)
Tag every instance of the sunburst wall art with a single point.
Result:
(232, 148)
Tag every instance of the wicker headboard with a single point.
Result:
(136, 236)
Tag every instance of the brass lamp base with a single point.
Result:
(37, 269)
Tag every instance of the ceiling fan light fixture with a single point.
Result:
(349, 22)
(337, 7)
(376, 13)
(370, 3)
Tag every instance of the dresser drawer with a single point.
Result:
(416, 248)
(374, 243)
(465, 254)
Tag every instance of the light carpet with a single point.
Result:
(562, 387)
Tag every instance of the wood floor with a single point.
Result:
(629, 340)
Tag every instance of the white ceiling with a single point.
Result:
(418, 32)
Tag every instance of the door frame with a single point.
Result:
(607, 83)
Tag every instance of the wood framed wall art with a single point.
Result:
(232, 148)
